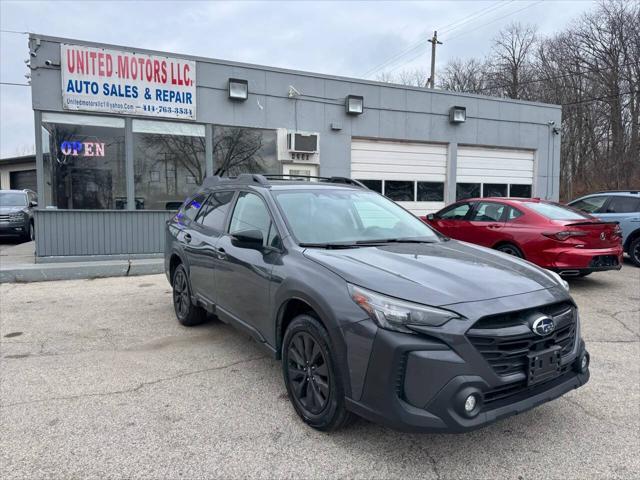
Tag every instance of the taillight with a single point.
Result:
(617, 232)
(564, 234)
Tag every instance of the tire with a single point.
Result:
(29, 234)
(634, 251)
(313, 380)
(510, 249)
(187, 313)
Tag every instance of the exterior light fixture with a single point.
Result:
(238, 89)
(354, 105)
(458, 114)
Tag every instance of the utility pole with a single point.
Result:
(433, 41)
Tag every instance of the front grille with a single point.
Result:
(604, 261)
(10, 217)
(505, 340)
(505, 392)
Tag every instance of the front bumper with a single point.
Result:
(420, 383)
(12, 228)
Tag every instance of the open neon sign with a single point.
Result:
(84, 149)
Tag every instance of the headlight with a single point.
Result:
(394, 314)
(561, 281)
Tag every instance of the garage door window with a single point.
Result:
(399, 191)
(467, 190)
(375, 185)
(495, 190)
(520, 191)
(430, 192)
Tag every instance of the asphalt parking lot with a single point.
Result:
(99, 380)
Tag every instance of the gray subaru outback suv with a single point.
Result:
(371, 311)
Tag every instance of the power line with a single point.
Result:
(544, 79)
(15, 84)
(493, 21)
(606, 97)
(394, 58)
(460, 22)
(472, 18)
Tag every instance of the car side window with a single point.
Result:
(190, 209)
(513, 214)
(251, 213)
(214, 211)
(488, 212)
(591, 204)
(457, 212)
(620, 204)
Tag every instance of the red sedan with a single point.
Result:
(548, 234)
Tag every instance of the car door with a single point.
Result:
(208, 227)
(243, 273)
(184, 223)
(452, 221)
(624, 209)
(485, 223)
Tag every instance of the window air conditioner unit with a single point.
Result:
(300, 142)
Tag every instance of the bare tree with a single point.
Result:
(512, 59)
(416, 77)
(464, 76)
(592, 69)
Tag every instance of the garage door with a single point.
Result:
(413, 174)
(25, 179)
(494, 172)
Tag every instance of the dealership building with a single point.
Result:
(123, 135)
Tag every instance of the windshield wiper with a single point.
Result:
(330, 245)
(393, 240)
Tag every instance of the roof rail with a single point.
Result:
(632, 191)
(242, 179)
(291, 176)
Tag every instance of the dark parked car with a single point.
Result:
(550, 235)
(371, 311)
(16, 213)
(622, 207)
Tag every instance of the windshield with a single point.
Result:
(556, 212)
(322, 216)
(13, 199)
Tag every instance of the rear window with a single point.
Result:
(556, 212)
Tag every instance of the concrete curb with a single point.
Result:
(79, 270)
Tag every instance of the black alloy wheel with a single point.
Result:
(308, 373)
(313, 380)
(510, 250)
(187, 313)
(634, 251)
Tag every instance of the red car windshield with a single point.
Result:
(556, 212)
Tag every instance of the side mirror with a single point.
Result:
(33, 203)
(251, 239)
(431, 216)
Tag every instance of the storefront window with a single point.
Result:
(84, 162)
(467, 190)
(169, 163)
(239, 150)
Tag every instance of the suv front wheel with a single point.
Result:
(312, 379)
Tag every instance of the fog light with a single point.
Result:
(470, 404)
(582, 364)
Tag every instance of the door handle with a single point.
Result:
(187, 238)
(494, 226)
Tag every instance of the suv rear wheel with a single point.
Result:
(313, 381)
(187, 313)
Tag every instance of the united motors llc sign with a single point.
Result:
(113, 81)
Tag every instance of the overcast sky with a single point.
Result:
(341, 38)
